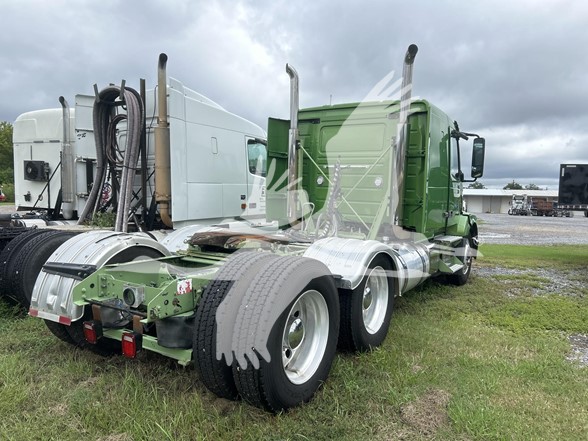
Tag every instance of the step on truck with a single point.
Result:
(110, 156)
(573, 188)
(367, 202)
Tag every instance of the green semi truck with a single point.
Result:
(365, 203)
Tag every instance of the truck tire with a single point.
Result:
(461, 277)
(7, 261)
(59, 331)
(7, 234)
(302, 341)
(366, 310)
(29, 260)
(234, 276)
(107, 346)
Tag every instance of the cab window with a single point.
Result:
(257, 157)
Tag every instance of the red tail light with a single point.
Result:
(132, 342)
(92, 331)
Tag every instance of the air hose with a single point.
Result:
(108, 156)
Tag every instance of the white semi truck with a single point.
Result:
(167, 161)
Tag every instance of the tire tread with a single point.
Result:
(215, 374)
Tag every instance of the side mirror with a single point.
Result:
(478, 157)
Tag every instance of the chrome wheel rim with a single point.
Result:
(375, 300)
(305, 335)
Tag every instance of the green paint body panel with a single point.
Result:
(362, 137)
(277, 145)
(462, 225)
(183, 356)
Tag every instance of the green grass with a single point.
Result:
(466, 363)
(525, 256)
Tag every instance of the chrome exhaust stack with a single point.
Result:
(162, 147)
(293, 146)
(397, 181)
(67, 165)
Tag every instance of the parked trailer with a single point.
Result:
(541, 206)
(573, 187)
(368, 199)
(111, 154)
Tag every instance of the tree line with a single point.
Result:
(510, 186)
(6, 161)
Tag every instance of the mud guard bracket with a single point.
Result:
(71, 270)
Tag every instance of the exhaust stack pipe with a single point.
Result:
(397, 190)
(292, 145)
(67, 165)
(162, 147)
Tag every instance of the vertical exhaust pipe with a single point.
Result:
(67, 165)
(162, 147)
(292, 146)
(397, 190)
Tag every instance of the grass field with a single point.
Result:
(486, 361)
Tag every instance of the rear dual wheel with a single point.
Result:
(8, 259)
(366, 311)
(232, 279)
(282, 319)
(30, 260)
(302, 340)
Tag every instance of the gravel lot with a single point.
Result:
(7, 209)
(533, 230)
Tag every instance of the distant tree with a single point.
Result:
(532, 187)
(476, 185)
(513, 186)
(6, 161)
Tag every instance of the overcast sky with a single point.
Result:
(514, 71)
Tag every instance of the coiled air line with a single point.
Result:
(105, 122)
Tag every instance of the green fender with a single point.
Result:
(466, 226)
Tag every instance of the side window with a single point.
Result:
(257, 157)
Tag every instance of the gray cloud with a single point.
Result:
(512, 71)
